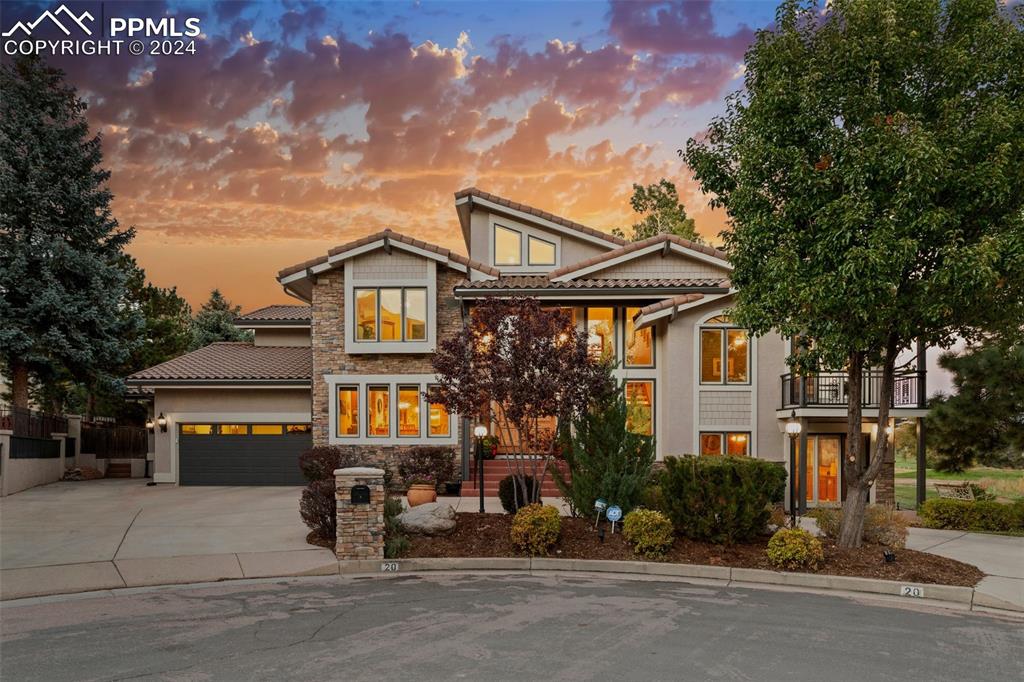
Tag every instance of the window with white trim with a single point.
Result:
(725, 443)
(724, 352)
(392, 314)
(369, 409)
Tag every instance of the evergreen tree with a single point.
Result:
(661, 213)
(216, 322)
(166, 332)
(60, 281)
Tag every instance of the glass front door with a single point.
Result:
(821, 478)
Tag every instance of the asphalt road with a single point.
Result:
(499, 628)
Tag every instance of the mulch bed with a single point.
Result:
(487, 535)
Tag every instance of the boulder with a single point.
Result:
(433, 518)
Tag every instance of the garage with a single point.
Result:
(242, 454)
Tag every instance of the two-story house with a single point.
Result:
(350, 365)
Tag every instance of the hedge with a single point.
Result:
(980, 515)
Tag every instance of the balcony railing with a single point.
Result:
(831, 389)
(30, 423)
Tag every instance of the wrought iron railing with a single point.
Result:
(831, 389)
(31, 423)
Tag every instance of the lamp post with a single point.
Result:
(480, 432)
(793, 428)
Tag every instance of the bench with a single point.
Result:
(955, 491)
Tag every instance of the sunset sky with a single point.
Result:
(299, 126)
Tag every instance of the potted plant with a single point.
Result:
(422, 489)
(490, 444)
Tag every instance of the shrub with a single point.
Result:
(535, 529)
(318, 463)
(318, 509)
(720, 499)
(605, 459)
(428, 464)
(395, 542)
(883, 525)
(794, 548)
(649, 531)
(978, 516)
(507, 493)
(981, 493)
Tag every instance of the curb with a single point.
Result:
(723, 576)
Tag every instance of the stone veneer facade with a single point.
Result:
(360, 533)
(329, 356)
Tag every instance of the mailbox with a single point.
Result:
(360, 494)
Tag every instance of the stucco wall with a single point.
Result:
(221, 404)
(282, 337)
(573, 249)
(24, 473)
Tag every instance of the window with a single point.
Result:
(440, 425)
(197, 429)
(508, 246)
(348, 411)
(541, 252)
(601, 332)
(724, 353)
(728, 443)
(408, 411)
(378, 411)
(391, 314)
(640, 407)
(639, 344)
(299, 428)
(233, 429)
(267, 429)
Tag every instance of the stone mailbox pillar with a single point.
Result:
(360, 515)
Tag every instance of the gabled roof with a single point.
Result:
(669, 242)
(464, 196)
(228, 362)
(268, 315)
(670, 307)
(531, 283)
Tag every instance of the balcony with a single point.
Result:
(831, 389)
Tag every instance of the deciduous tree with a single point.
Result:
(661, 213)
(872, 174)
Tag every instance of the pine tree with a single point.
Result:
(216, 322)
(60, 280)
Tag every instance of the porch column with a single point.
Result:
(922, 368)
(922, 463)
(800, 475)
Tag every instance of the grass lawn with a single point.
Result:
(1006, 484)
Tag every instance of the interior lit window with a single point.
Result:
(366, 314)
(508, 246)
(639, 344)
(197, 429)
(440, 424)
(348, 411)
(710, 443)
(737, 444)
(711, 356)
(415, 314)
(299, 428)
(390, 314)
(737, 354)
(541, 252)
(408, 411)
(730, 443)
(378, 408)
(267, 429)
(601, 332)
(233, 429)
(640, 407)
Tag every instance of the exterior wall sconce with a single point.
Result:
(150, 424)
(161, 421)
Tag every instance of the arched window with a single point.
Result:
(724, 352)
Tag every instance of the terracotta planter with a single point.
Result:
(421, 493)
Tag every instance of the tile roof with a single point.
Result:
(393, 236)
(542, 282)
(668, 303)
(636, 246)
(277, 313)
(228, 361)
(559, 220)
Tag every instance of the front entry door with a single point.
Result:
(824, 467)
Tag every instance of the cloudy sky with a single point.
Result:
(300, 125)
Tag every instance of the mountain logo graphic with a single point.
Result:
(52, 16)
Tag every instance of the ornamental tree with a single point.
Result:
(518, 364)
(872, 174)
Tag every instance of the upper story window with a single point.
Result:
(724, 352)
(639, 344)
(519, 248)
(392, 314)
(601, 332)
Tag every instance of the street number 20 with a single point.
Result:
(389, 567)
(911, 591)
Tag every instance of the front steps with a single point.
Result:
(497, 469)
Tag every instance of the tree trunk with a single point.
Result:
(19, 384)
(852, 526)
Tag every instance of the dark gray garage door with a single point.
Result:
(242, 454)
